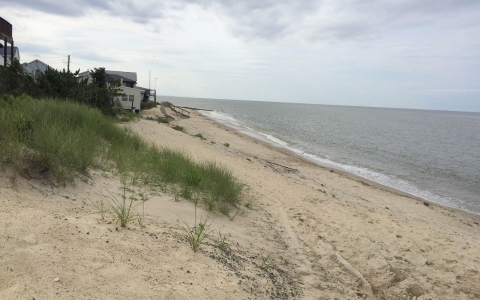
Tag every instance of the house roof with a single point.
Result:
(34, 66)
(112, 77)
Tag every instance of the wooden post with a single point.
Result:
(11, 53)
(5, 52)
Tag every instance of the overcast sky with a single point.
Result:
(392, 53)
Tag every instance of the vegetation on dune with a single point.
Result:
(63, 85)
(62, 140)
(148, 105)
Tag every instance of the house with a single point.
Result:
(35, 68)
(10, 55)
(6, 36)
(128, 84)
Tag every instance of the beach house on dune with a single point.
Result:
(7, 52)
(128, 84)
(35, 68)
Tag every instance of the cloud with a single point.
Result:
(310, 20)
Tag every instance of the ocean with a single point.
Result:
(431, 154)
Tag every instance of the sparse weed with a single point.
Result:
(176, 194)
(162, 120)
(223, 208)
(236, 213)
(101, 207)
(197, 234)
(265, 262)
(210, 202)
(186, 191)
(226, 145)
(178, 128)
(199, 135)
(123, 212)
(221, 241)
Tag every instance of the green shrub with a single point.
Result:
(148, 104)
(162, 120)
(178, 128)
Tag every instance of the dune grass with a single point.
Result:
(64, 140)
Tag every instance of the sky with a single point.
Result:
(422, 54)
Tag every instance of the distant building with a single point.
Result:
(128, 81)
(35, 68)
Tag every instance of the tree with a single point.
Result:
(14, 82)
(104, 92)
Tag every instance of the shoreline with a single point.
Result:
(347, 174)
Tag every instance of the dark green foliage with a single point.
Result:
(148, 105)
(14, 82)
(162, 120)
(61, 85)
(178, 128)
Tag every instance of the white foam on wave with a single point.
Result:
(220, 117)
(386, 180)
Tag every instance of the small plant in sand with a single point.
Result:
(175, 192)
(199, 135)
(101, 206)
(162, 120)
(124, 210)
(226, 145)
(142, 197)
(221, 241)
(265, 264)
(178, 128)
(199, 232)
(210, 202)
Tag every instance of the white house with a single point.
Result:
(35, 68)
(16, 54)
(128, 85)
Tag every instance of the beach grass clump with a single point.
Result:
(62, 140)
(49, 137)
(200, 136)
(178, 128)
(148, 104)
(162, 120)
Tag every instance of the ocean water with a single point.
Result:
(434, 155)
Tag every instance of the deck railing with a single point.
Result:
(5, 29)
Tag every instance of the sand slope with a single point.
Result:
(326, 235)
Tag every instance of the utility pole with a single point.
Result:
(155, 91)
(68, 65)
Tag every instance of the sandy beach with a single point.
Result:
(313, 233)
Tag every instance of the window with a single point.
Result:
(131, 98)
(124, 98)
